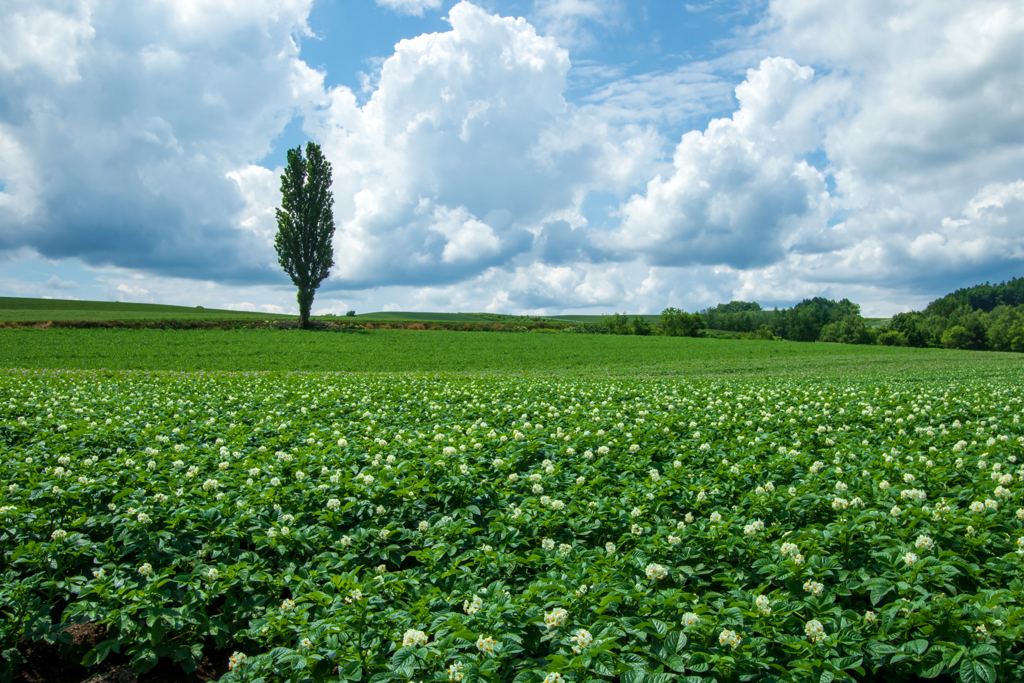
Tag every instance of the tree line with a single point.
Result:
(985, 317)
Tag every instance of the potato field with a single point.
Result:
(414, 527)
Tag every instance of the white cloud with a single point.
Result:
(567, 20)
(56, 283)
(330, 307)
(876, 151)
(990, 230)
(740, 188)
(895, 169)
(37, 40)
(467, 239)
(463, 151)
(415, 7)
(261, 190)
(670, 97)
(128, 142)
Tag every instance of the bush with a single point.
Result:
(617, 323)
(893, 338)
(640, 326)
(677, 323)
(587, 328)
(849, 330)
(957, 337)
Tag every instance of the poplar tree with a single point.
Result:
(305, 224)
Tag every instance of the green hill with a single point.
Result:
(984, 297)
(18, 309)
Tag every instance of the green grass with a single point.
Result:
(415, 316)
(22, 309)
(17, 309)
(406, 351)
(654, 319)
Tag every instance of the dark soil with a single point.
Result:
(46, 663)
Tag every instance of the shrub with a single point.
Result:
(893, 338)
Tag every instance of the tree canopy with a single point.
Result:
(305, 223)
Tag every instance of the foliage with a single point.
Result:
(803, 322)
(305, 223)
(735, 307)
(892, 338)
(617, 323)
(640, 327)
(677, 323)
(986, 297)
(489, 528)
(1001, 329)
(849, 330)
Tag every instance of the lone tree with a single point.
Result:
(305, 224)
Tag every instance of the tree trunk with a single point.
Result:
(305, 304)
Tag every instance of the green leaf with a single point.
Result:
(100, 652)
(659, 678)
(984, 671)
(846, 662)
(351, 672)
(878, 592)
(401, 656)
(632, 676)
(967, 674)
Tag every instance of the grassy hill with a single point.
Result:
(17, 309)
(419, 316)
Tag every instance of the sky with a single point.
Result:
(519, 156)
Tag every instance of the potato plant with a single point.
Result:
(486, 528)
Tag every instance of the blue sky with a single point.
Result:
(527, 156)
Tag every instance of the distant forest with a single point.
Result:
(984, 317)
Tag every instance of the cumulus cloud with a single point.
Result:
(989, 231)
(127, 129)
(463, 152)
(38, 40)
(741, 187)
(874, 150)
(881, 153)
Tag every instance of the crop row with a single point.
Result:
(406, 527)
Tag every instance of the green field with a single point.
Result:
(654, 319)
(442, 351)
(288, 506)
(825, 514)
(16, 309)
(19, 309)
(414, 316)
